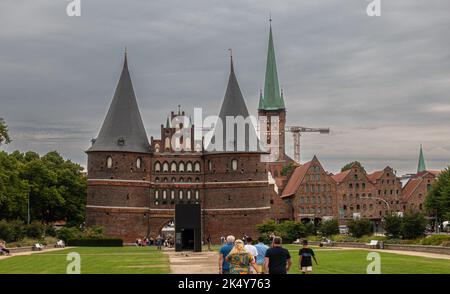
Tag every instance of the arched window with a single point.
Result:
(197, 194)
(157, 167)
(157, 179)
(109, 162)
(165, 194)
(209, 165)
(165, 180)
(173, 167)
(181, 180)
(172, 194)
(156, 202)
(156, 194)
(197, 167)
(138, 163)
(166, 167)
(189, 194)
(181, 166)
(180, 194)
(197, 179)
(189, 179)
(167, 143)
(157, 148)
(189, 167)
(234, 164)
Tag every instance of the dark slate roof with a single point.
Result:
(234, 106)
(122, 129)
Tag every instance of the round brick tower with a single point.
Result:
(119, 166)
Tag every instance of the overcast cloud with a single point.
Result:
(381, 84)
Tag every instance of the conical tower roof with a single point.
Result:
(421, 165)
(122, 129)
(272, 99)
(234, 106)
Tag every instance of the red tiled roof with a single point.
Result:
(434, 172)
(410, 187)
(338, 178)
(296, 179)
(373, 177)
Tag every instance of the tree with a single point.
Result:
(329, 228)
(349, 165)
(292, 230)
(393, 225)
(4, 133)
(437, 201)
(413, 225)
(267, 227)
(359, 228)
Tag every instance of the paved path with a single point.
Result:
(192, 262)
(414, 253)
(32, 252)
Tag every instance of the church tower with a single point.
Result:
(271, 109)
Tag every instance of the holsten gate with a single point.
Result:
(134, 183)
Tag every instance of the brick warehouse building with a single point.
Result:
(134, 183)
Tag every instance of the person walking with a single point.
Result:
(241, 261)
(224, 266)
(159, 241)
(306, 255)
(277, 259)
(209, 241)
(251, 249)
(261, 248)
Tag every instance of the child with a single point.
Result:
(306, 254)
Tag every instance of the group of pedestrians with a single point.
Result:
(244, 257)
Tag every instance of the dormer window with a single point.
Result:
(121, 141)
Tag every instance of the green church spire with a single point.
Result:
(421, 166)
(272, 99)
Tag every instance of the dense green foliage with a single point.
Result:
(393, 226)
(438, 199)
(16, 230)
(4, 135)
(413, 225)
(56, 188)
(329, 228)
(359, 228)
(288, 168)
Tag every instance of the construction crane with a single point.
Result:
(297, 132)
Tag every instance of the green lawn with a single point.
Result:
(94, 260)
(146, 260)
(332, 261)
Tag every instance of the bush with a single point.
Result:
(359, 228)
(50, 231)
(34, 230)
(89, 242)
(393, 226)
(68, 233)
(291, 231)
(437, 240)
(329, 228)
(267, 227)
(413, 225)
(311, 229)
(12, 231)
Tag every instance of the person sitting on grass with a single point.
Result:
(305, 262)
(240, 259)
(3, 248)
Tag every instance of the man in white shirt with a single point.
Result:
(251, 249)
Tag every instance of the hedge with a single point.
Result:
(104, 242)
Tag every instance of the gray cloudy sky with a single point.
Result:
(381, 84)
